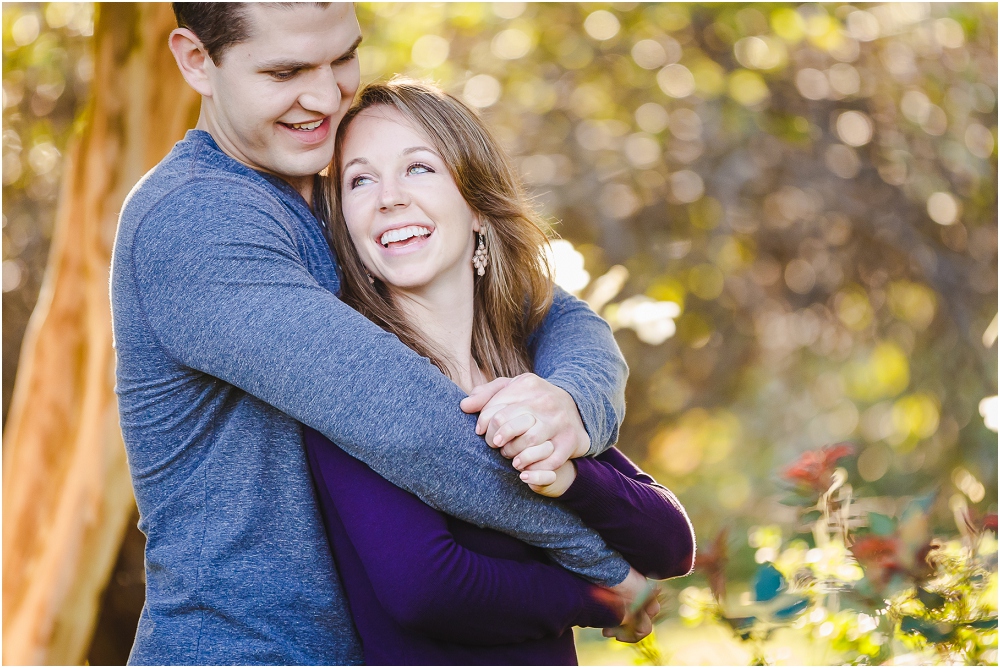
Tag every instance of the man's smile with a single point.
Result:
(310, 125)
(309, 132)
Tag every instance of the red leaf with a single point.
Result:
(814, 468)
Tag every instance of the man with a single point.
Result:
(229, 335)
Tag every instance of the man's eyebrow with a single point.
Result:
(354, 47)
(283, 65)
(280, 64)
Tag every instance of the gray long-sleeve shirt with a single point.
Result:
(229, 335)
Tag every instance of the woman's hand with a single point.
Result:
(639, 596)
(550, 483)
(531, 420)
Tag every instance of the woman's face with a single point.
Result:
(405, 214)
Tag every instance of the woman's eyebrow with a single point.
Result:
(355, 161)
(405, 151)
(415, 149)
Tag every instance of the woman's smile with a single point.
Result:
(405, 238)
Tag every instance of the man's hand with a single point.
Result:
(641, 608)
(531, 420)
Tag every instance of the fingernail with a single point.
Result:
(517, 463)
(497, 440)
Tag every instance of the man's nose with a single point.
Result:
(323, 93)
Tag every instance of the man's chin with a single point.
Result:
(300, 169)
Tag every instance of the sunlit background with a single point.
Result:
(788, 213)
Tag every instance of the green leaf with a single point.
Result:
(990, 623)
(768, 582)
(790, 611)
(930, 600)
(932, 631)
(880, 524)
(811, 516)
(796, 500)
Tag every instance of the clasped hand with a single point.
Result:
(535, 424)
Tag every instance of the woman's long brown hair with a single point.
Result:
(514, 295)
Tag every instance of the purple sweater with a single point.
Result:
(425, 588)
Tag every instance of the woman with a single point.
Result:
(437, 244)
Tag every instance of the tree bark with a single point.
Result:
(67, 495)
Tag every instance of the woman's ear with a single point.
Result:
(476, 225)
(192, 60)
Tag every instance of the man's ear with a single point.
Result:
(192, 59)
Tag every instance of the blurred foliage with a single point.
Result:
(47, 67)
(860, 586)
(787, 212)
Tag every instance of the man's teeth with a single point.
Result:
(307, 126)
(403, 233)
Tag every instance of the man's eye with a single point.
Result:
(359, 181)
(418, 168)
(346, 58)
(283, 75)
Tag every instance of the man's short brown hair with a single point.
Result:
(219, 25)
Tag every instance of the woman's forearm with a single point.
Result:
(636, 516)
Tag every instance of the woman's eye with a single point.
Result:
(359, 181)
(418, 168)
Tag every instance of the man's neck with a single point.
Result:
(302, 184)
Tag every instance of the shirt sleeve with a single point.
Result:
(426, 582)
(574, 349)
(636, 515)
(228, 294)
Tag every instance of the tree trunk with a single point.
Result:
(66, 491)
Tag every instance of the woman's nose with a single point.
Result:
(391, 196)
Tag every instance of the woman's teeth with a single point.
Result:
(306, 126)
(403, 234)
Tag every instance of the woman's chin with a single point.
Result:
(408, 282)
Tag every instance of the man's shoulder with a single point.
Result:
(195, 175)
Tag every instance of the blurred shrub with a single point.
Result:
(858, 586)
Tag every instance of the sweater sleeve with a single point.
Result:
(227, 292)
(574, 349)
(428, 583)
(636, 515)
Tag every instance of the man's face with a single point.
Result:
(278, 97)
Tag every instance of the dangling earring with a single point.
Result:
(481, 257)
(371, 279)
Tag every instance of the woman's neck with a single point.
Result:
(442, 315)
